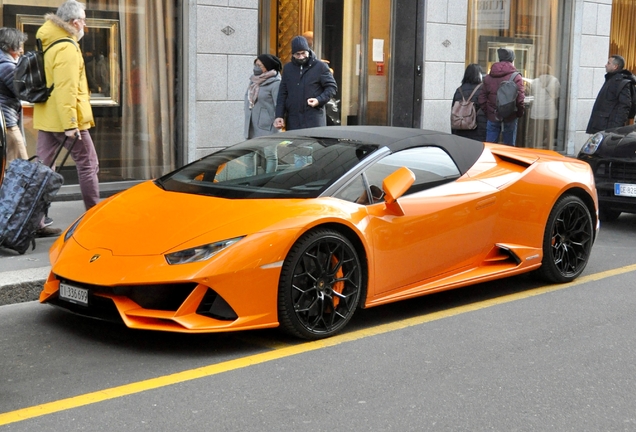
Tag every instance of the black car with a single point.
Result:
(612, 155)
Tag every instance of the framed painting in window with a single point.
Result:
(100, 48)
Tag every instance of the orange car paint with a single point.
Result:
(456, 237)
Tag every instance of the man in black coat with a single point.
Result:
(306, 86)
(614, 102)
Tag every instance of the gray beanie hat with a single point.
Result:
(506, 54)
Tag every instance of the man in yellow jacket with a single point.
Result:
(67, 112)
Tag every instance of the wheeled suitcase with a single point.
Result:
(25, 195)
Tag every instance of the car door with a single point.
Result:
(446, 227)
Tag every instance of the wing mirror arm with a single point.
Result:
(394, 186)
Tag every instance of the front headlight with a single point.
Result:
(200, 253)
(72, 228)
(592, 143)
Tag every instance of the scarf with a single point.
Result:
(255, 85)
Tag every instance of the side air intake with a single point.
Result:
(214, 306)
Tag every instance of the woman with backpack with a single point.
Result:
(469, 92)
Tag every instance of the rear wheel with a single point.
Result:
(568, 239)
(608, 214)
(320, 285)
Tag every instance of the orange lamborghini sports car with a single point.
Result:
(300, 229)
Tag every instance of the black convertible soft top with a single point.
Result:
(464, 151)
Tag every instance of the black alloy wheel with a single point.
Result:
(320, 285)
(568, 239)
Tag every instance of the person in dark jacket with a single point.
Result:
(472, 78)
(499, 72)
(613, 106)
(306, 86)
(11, 48)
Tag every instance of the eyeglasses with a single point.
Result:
(83, 20)
(300, 54)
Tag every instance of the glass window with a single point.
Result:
(130, 59)
(534, 30)
(621, 32)
(269, 167)
(355, 191)
(432, 167)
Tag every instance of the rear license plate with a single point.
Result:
(73, 294)
(623, 189)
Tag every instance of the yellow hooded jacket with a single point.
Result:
(69, 105)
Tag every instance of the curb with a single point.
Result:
(18, 286)
(21, 292)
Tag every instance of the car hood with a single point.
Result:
(146, 220)
(619, 143)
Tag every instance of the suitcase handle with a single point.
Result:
(59, 149)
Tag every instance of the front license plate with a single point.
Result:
(623, 189)
(73, 294)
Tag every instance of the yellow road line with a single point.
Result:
(284, 351)
(260, 341)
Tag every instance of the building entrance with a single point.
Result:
(379, 80)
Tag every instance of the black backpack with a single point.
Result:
(507, 97)
(632, 91)
(30, 79)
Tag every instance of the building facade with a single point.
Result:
(168, 77)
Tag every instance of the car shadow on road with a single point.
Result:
(233, 344)
(442, 301)
(114, 335)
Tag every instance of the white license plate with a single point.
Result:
(73, 294)
(624, 189)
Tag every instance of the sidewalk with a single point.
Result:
(22, 276)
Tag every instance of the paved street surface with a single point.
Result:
(512, 355)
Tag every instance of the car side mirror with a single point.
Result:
(394, 186)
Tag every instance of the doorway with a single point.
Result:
(379, 80)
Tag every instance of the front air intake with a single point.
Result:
(214, 306)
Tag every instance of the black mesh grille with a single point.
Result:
(616, 171)
(98, 307)
(166, 297)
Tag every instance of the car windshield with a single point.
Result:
(269, 167)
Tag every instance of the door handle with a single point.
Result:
(419, 70)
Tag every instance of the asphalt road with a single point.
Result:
(512, 355)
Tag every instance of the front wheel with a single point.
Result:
(320, 285)
(567, 242)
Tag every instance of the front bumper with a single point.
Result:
(176, 307)
(607, 199)
(232, 292)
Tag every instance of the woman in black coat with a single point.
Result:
(472, 78)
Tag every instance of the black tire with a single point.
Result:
(320, 285)
(608, 214)
(567, 240)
